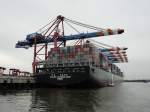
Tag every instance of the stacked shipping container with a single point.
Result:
(86, 54)
(81, 54)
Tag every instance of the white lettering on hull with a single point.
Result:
(60, 76)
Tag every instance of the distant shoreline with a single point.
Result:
(145, 81)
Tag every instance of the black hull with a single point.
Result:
(80, 78)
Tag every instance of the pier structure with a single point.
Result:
(15, 78)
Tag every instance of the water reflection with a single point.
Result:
(15, 100)
(64, 100)
(127, 97)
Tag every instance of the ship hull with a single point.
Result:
(81, 76)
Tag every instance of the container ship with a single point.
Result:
(86, 63)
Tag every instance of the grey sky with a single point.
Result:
(21, 17)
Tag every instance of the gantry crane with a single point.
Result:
(54, 33)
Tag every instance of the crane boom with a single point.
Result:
(40, 39)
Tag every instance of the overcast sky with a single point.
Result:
(21, 17)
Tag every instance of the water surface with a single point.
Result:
(125, 97)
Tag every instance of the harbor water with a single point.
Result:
(125, 97)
